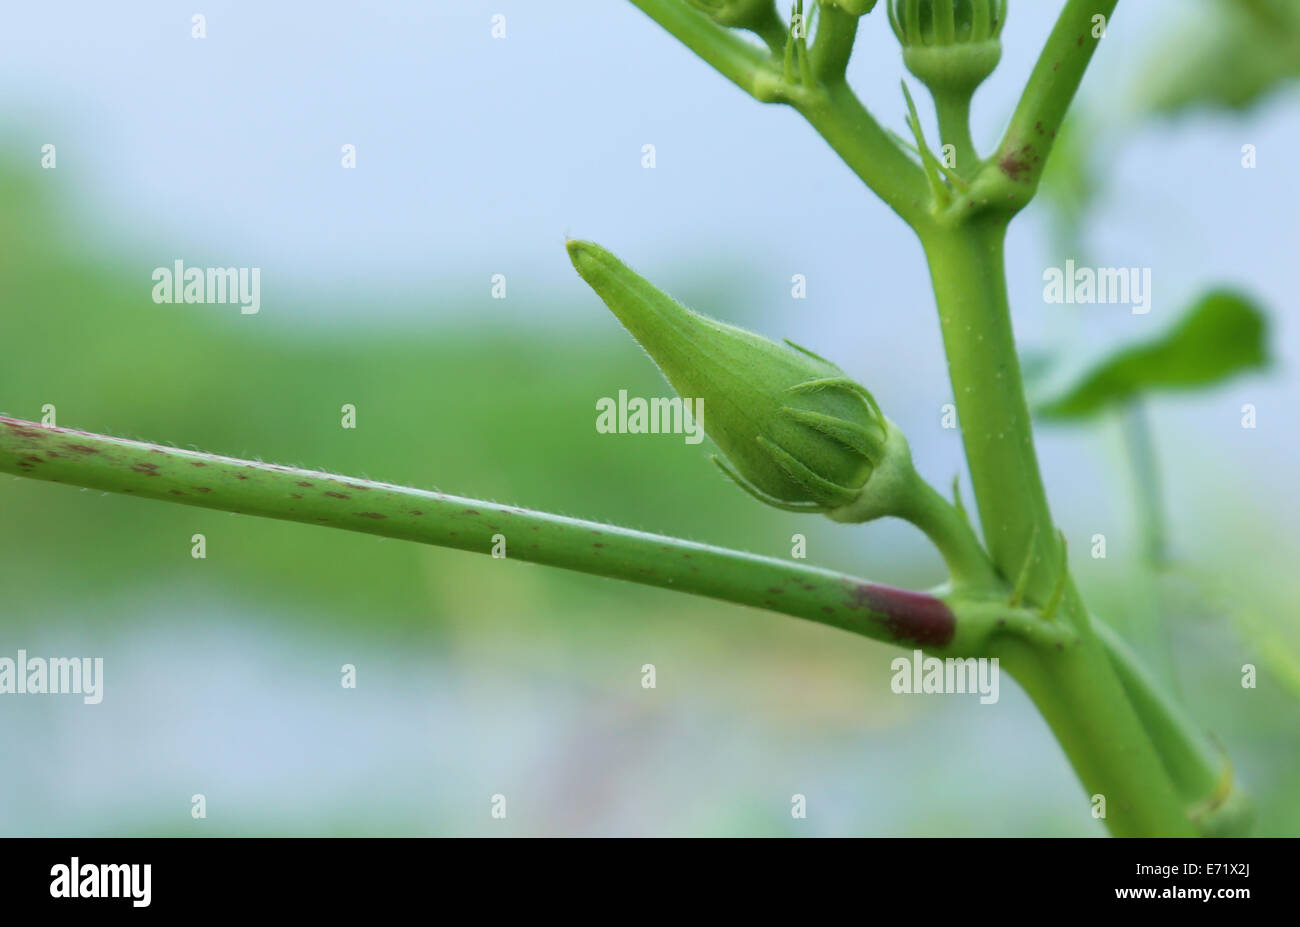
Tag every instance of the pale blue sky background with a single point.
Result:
(477, 155)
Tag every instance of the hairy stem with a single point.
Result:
(727, 52)
(966, 269)
(869, 151)
(948, 530)
(170, 474)
(1075, 686)
(834, 43)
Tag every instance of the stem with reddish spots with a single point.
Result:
(1022, 154)
(170, 474)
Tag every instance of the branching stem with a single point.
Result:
(94, 461)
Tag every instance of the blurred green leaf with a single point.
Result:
(1232, 54)
(1222, 335)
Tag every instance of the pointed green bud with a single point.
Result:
(796, 431)
(950, 45)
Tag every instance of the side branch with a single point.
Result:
(730, 55)
(870, 151)
(228, 484)
(823, 98)
(1022, 154)
(834, 43)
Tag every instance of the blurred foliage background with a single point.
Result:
(478, 676)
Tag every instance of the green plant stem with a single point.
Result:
(869, 151)
(729, 54)
(1108, 724)
(1199, 771)
(966, 269)
(831, 107)
(833, 43)
(949, 531)
(1075, 687)
(170, 474)
(1194, 766)
(773, 31)
(1022, 153)
(1089, 713)
(953, 110)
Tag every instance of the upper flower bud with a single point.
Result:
(797, 432)
(950, 45)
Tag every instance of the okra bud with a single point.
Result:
(797, 432)
(950, 45)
